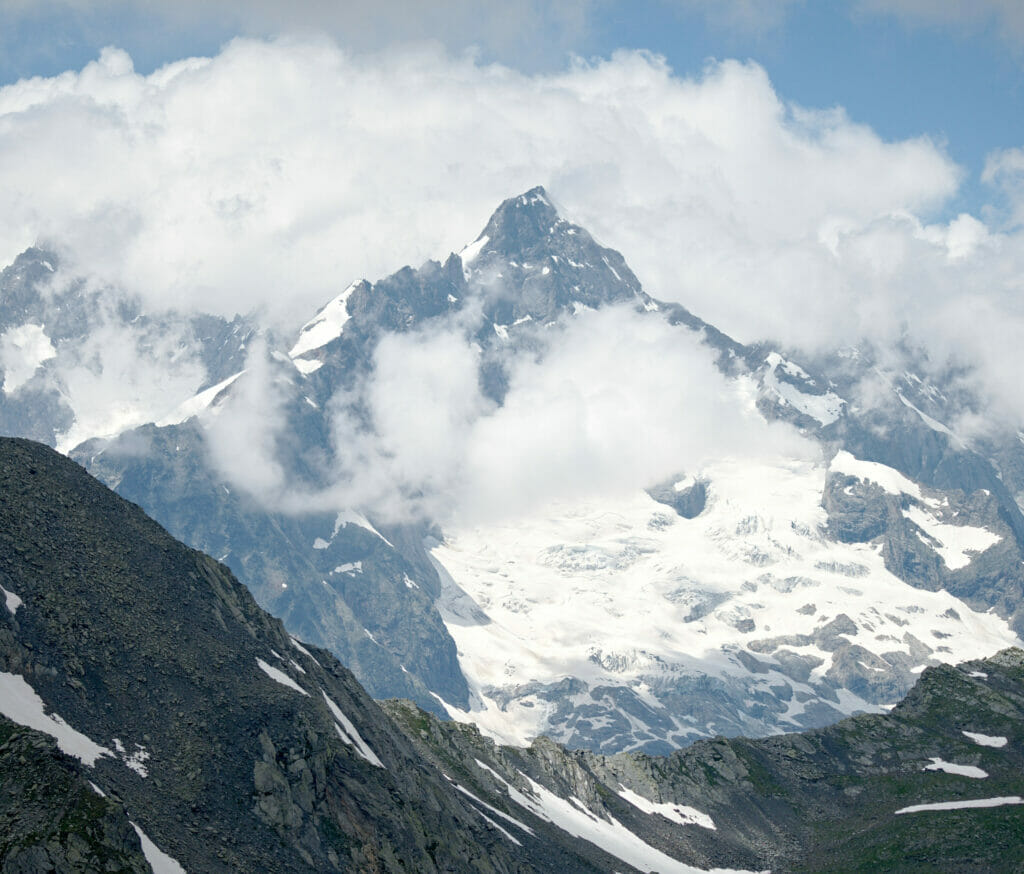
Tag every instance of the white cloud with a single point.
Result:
(242, 436)
(619, 401)
(120, 377)
(616, 402)
(275, 173)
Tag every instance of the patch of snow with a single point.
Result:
(452, 298)
(409, 584)
(297, 666)
(979, 675)
(955, 542)
(279, 676)
(891, 481)
(960, 770)
(348, 733)
(22, 352)
(607, 264)
(320, 543)
(934, 424)
(483, 815)
(679, 813)
(963, 805)
(352, 567)
(20, 703)
(11, 601)
(471, 252)
(195, 405)
(133, 761)
(325, 326)
(775, 361)
(607, 833)
(986, 740)
(501, 330)
(158, 860)
(824, 408)
(500, 813)
(306, 366)
(351, 517)
(305, 652)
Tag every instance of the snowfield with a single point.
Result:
(627, 594)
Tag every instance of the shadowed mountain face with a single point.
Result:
(744, 597)
(152, 716)
(232, 746)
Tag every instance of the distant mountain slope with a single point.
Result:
(80, 361)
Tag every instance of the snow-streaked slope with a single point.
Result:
(985, 740)
(963, 805)
(325, 326)
(824, 407)
(643, 607)
(158, 860)
(572, 816)
(20, 703)
(678, 813)
(197, 404)
(972, 771)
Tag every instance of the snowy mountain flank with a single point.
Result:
(748, 591)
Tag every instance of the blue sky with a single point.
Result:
(944, 68)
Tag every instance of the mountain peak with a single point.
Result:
(520, 220)
(552, 264)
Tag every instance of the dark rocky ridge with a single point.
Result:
(143, 644)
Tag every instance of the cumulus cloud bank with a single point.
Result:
(272, 175)
(275, 173)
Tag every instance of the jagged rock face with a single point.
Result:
(735, 599)
(336, 583)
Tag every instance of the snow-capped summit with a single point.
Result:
(783, 595)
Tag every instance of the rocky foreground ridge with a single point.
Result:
(155, 717)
